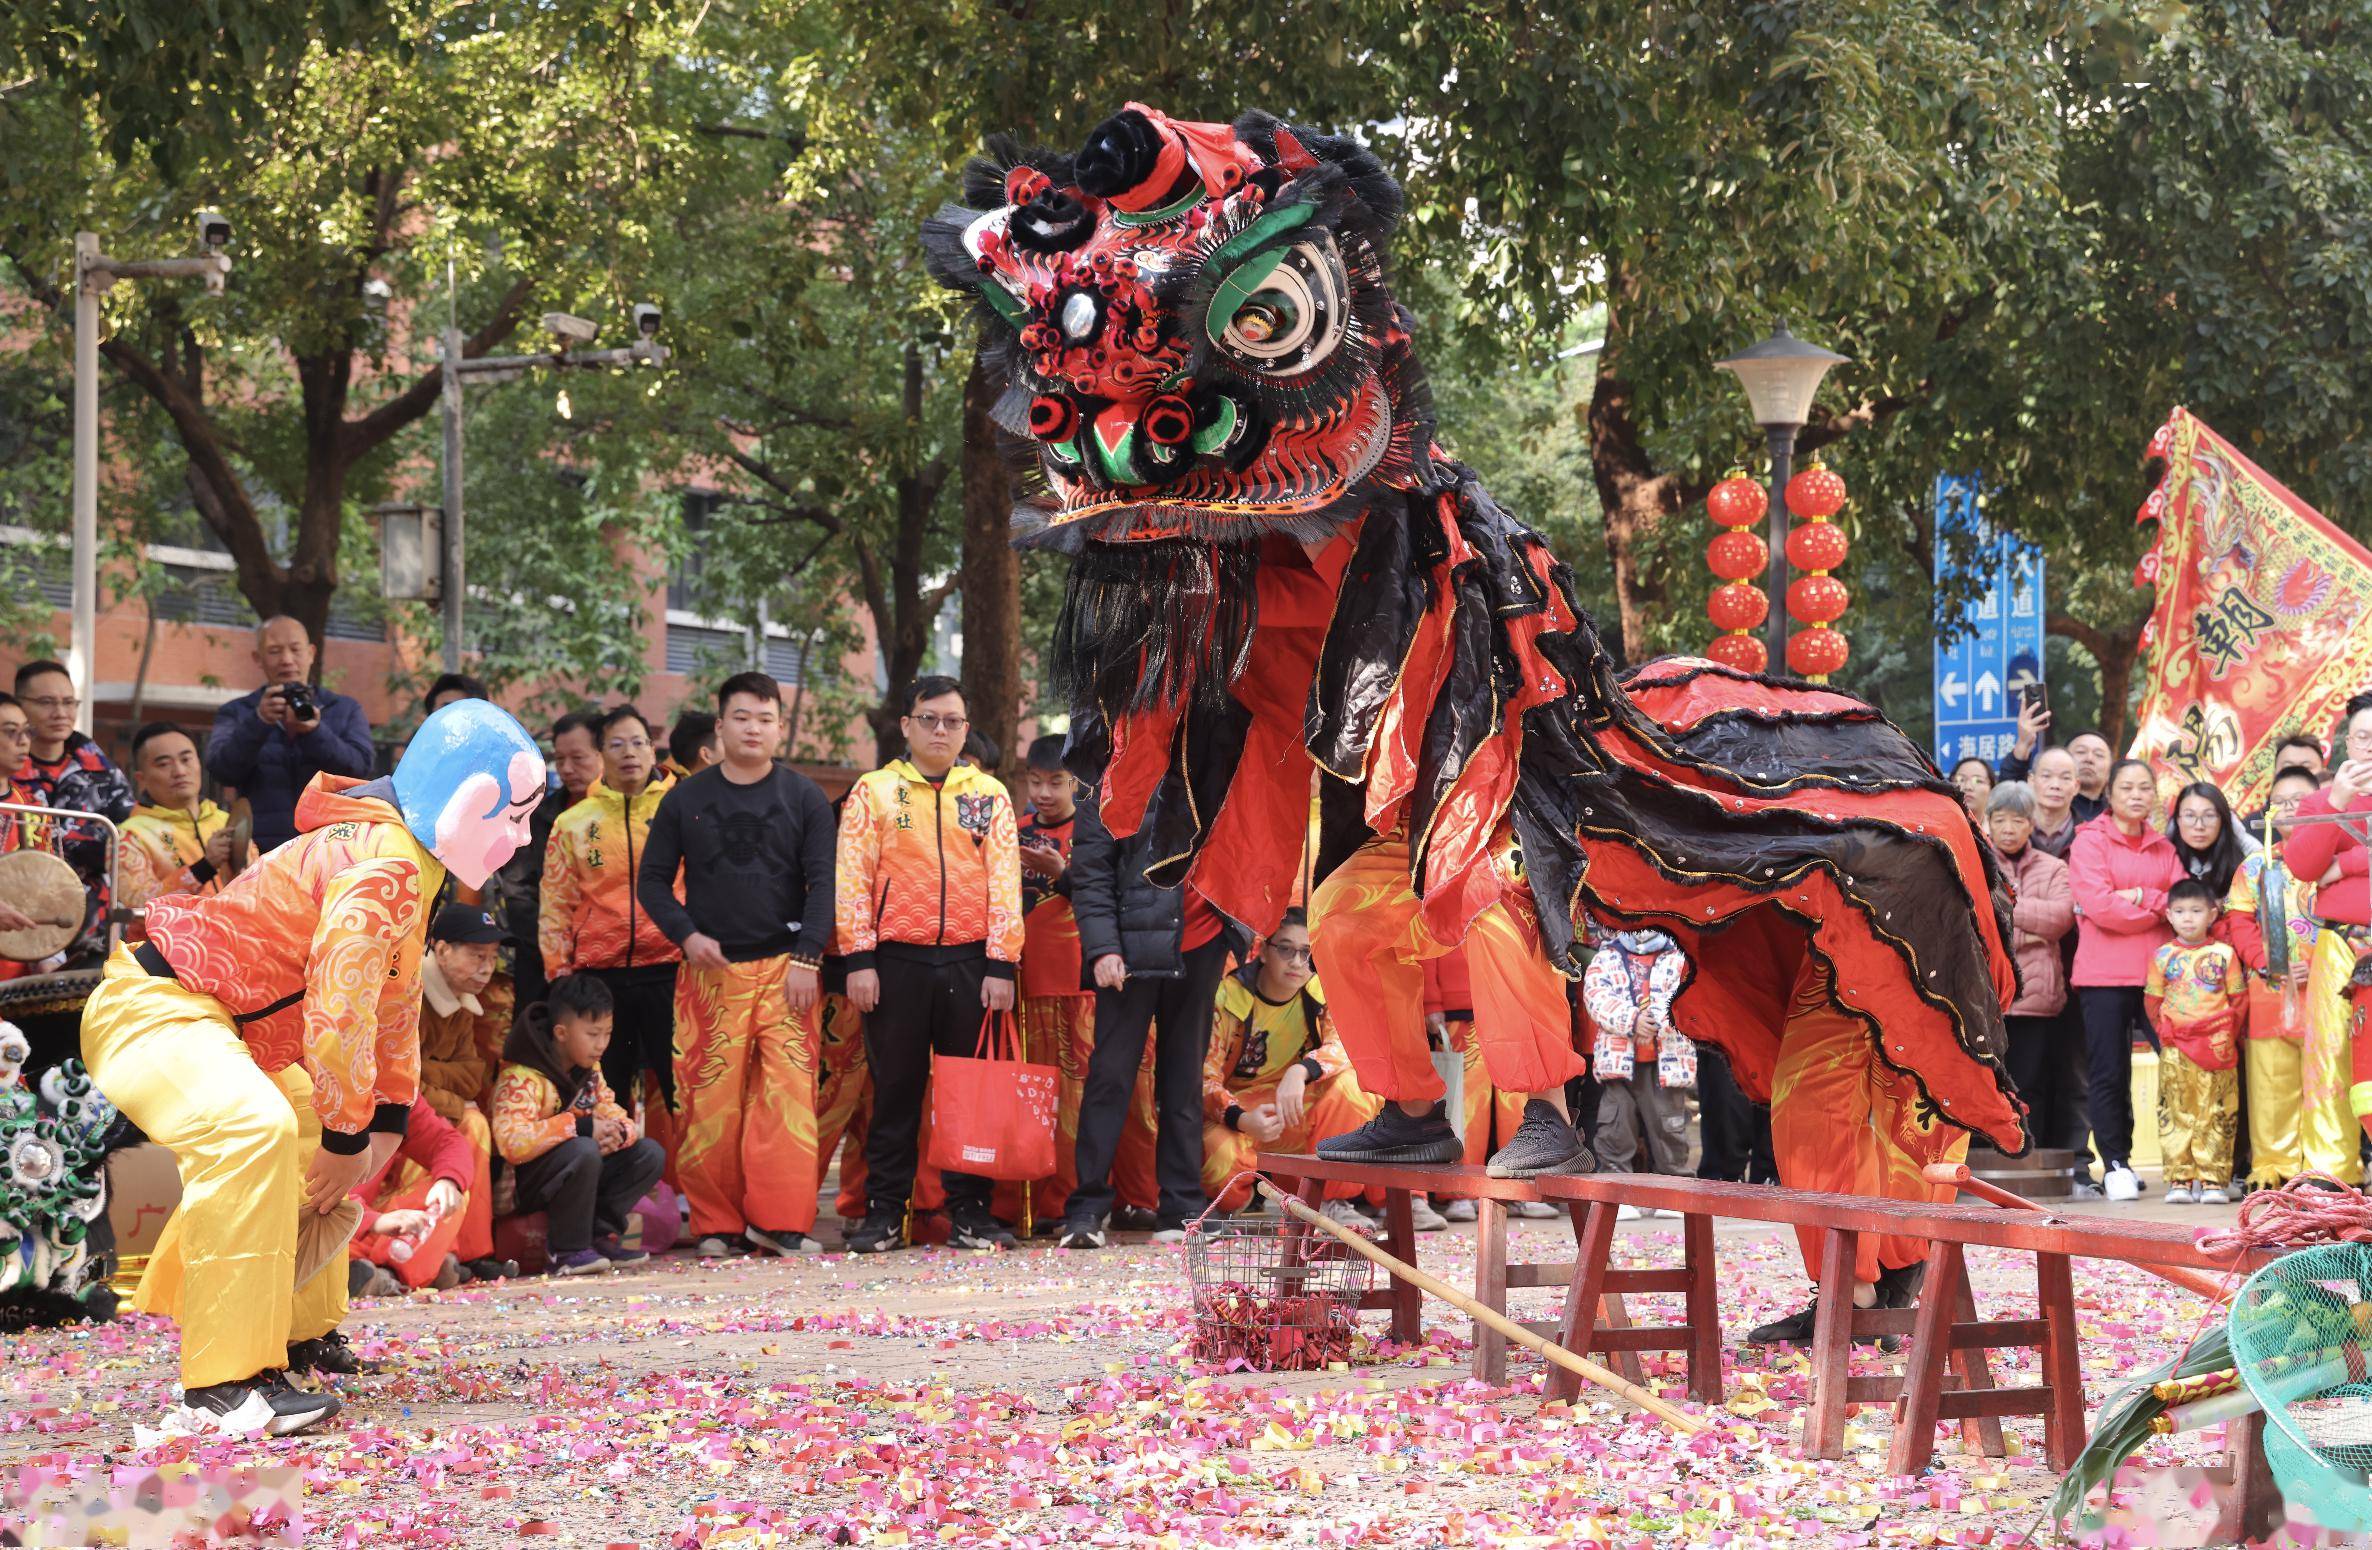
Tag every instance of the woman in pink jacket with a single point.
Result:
(2042, 912)
(2121, 868)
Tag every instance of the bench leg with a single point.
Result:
(2063, 1374)
(1978, 1434)
(1703, 1311)
(1832, 1347)
(1614, 1313)
(2256, 1500)
(1490, 1288)
(1923, 1377)
(1400, 1236)
(1594, 1239)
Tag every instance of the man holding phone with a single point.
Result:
(269, 744)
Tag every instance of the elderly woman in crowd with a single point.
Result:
(2042, 913)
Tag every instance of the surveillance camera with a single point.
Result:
(214, 231)
(646, 319)
(561, 325)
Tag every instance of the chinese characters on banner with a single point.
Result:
(1987, 658)
(2261, 626)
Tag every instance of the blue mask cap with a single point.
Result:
(464, 739)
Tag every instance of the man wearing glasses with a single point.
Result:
(930, 924)
(64, 769)
(754, 919)
(589, 920)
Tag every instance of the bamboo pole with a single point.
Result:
(1671, 1415)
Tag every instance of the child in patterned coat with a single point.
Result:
(2194, 999)
(1643, 1064)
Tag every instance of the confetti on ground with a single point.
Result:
(1029, 1399)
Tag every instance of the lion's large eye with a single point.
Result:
(1283, 312)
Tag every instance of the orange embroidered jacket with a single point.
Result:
(589, 917)
(529, 1119)
(315, 950)
(164, 851)
(920, 867)
(1254, 1041)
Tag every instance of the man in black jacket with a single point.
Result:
(1154, 957)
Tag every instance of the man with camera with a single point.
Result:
(269, 744)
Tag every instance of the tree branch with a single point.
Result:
(360, 436)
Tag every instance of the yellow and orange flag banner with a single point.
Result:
(2263, 624)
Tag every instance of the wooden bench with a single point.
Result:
(1494, 1277)
(1944, 1328)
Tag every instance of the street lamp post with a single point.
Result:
(94, 274)
(457, 370)
(1780, 376)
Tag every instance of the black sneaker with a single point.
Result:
(1393, 1136)
(974, 1228)
(1545, 1142)
(1797, 1329)
(491, 1269)
(264, 1403)
(328, 1353)
(1899, 1287)
(1082, 1235)
(1134, 1219)
(785, 1243)
(879, 1233)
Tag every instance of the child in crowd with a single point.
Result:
(577, 1154)
(1276, 1076)
(1643, 1064)
(2194, 996)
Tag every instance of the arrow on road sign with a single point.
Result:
(1952, 690)
(1988, 690)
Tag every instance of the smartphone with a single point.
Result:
(2038, 697)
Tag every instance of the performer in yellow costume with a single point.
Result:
(268, 1036)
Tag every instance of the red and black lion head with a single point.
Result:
(1194, 325)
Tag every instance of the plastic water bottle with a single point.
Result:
(406, 1245)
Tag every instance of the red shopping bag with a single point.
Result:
(992, 1114)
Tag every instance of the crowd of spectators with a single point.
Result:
(705, 983)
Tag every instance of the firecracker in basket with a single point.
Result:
(1272, 1298)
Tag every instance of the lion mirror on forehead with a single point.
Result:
(1278, 578)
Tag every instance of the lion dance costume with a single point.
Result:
(280, 1018)
(1277, 576)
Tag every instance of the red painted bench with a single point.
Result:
(1494, 1277)
(1944, 1329)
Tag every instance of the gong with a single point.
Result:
(242, 831)
(43, 886)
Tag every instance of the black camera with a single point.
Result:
(298, 698)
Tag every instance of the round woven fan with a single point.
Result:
(44, 887)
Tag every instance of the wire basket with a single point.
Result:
(1274, 1297)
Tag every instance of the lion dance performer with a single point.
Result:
(1275, 571)
(268, 1036)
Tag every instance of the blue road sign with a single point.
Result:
(1986, 658)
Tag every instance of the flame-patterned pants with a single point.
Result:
(1492, 1116)
(1842, 1122)
(843, 1099)
(224, 1268)
(1371, 946)
(1331, 1107)
(745, 1100)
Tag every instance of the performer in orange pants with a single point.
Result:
(843, 1093)
(745, 1101)
(1843, 1123)
(1372, 941)
(1449, 1019)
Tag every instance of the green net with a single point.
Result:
(2298, 1334)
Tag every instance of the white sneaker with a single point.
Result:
(1627, 1212)
(2121, 1183)
(1536, 1210)
(1458, 1211)
(2179, 1194)
(2211, 1195)
(1423, 1218)
(1168, 1235)
(1344, 1214)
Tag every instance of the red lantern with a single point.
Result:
(1816, 492)
(1817, 546)
(1817, 652)
(1746, 653)
(1817, 599)
(1738, 606)
(1737, 554)
(1738, 502)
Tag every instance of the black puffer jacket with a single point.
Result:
(1118, 909)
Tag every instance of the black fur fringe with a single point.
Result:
(1155, 623)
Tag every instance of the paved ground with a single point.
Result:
(1034, 1398)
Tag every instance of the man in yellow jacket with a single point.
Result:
(268, 1036)
(591, 922)
(176, 841)
(929, 920)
